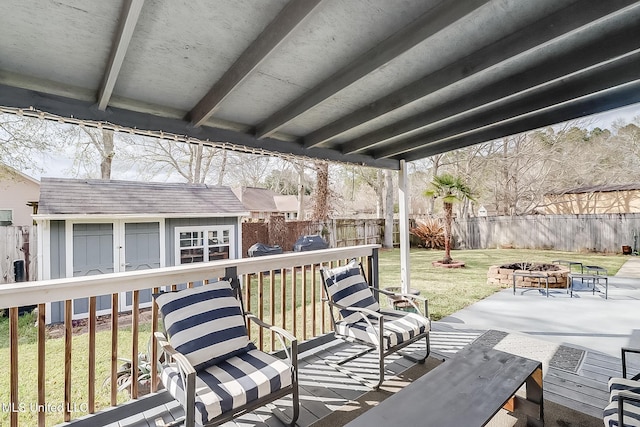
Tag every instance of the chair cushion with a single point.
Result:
(205, 323)
(631, 407)
(231, 384)
(399, 327)
(348, 287)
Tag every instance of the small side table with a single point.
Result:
(570, 264)
(591, 277)
(595, 270)
(531, 274)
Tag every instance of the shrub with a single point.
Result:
(430, 232)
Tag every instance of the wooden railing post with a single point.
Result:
(41, 364)
(92, 355)
(13, 363)
(135, 315)
(260, 309)
(67, 358)
(114, 349)
(154, 344)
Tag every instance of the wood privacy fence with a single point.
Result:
(573, 233)
(17, 243)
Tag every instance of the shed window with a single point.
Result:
(6, 216)
(203, 244)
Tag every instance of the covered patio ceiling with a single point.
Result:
(372, 82)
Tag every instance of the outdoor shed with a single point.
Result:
(88, 227)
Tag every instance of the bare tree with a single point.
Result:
(321, 199)
(25, 139)
(94, 152)
(194, 161)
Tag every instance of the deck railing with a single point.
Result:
(284, 290)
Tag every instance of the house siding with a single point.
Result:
(58, 262)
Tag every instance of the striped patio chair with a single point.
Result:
(362, 320)
(624, 398)
(211, 367)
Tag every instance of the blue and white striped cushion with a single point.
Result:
(631, 407)
(205, 324)
(349, 288)
(399, 327)
(236, 381)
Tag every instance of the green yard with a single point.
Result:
(448, 290)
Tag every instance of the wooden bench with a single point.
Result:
(467, 390)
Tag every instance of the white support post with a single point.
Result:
(403, 201)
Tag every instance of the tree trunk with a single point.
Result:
(448, 219)
(321, 206)
(197, 167)
(107, 154)
(223, 167)
(379, 193)
(300, 168)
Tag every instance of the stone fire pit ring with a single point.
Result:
(503, 275)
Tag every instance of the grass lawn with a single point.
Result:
(448, 291)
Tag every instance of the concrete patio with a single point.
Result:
(584, 321)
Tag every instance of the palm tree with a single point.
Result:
(451, 189)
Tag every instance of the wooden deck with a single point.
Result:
(324, 391)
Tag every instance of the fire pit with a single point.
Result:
(503, 274)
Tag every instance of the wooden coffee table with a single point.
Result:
(467, 390)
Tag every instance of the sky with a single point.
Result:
(57, 165)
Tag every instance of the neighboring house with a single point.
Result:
(17, 190)
(262, 203)
(88, 227)
(604, 199)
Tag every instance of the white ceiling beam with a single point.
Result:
(128, 20)
(289, 18)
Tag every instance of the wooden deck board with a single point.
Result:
(324, 390)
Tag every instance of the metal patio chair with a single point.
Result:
(624, 397)
(363, 321)
(211, 367)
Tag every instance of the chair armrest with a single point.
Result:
(282, 332)
(362, 311)
(187, 373)
(398, 294)
(183, 363)
(624, 351)
(291, 350)
(411, 298)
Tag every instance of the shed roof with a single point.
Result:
(373, 82)
(60, 196)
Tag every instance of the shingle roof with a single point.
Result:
(600, 189)
(257, 199)
(286, 203)
(59, 196)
